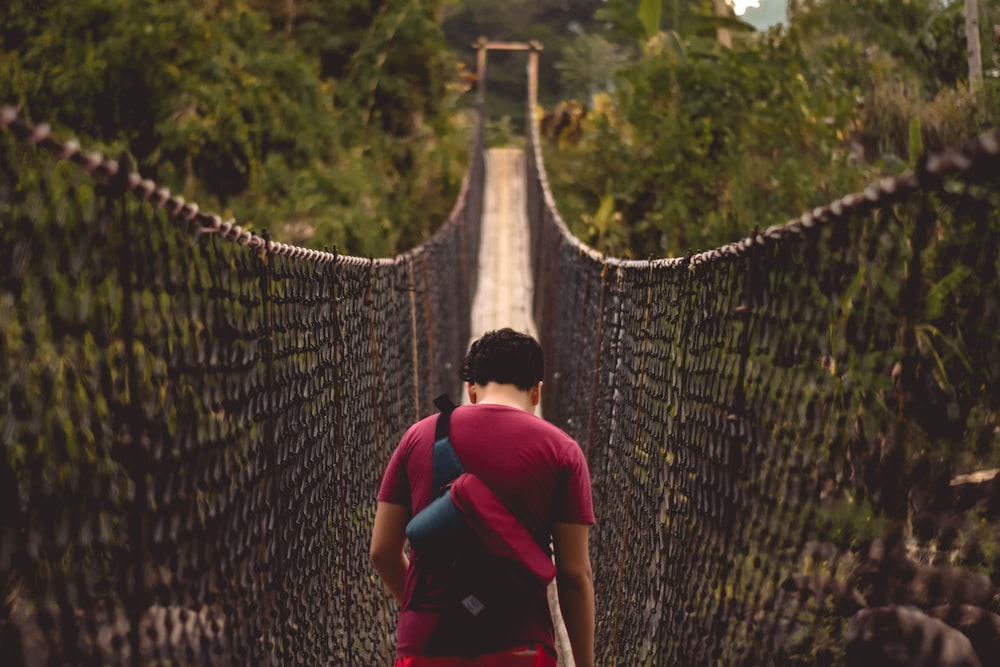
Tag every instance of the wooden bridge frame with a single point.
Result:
(484, 45)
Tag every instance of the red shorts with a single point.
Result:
(528, 656)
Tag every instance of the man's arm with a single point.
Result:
(388, 537)
(575, 579)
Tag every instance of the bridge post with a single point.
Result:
(481, 47)
(536, 47)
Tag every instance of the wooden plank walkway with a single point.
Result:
(503, 298)
(504, 293)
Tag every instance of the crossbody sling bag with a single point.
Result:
(465, 508)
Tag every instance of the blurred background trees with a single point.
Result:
(696, 142)
(674, 125)
(322, 121)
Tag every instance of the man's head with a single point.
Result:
(504, 356)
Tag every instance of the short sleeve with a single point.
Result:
(395, 486)
(576, 504)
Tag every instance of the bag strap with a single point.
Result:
(446, 466)
(443, 425)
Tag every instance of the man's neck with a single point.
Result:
(509, 395)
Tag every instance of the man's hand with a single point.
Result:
(388, 537)
(575, 579)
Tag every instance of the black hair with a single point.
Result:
(504, 356)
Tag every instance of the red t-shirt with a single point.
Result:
(536, 470)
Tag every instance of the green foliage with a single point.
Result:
(649, 15)
(699, 151)
(916, 141)
(588, 65)
(848, 523)
(501, 133)
(698, 144)
(926, 37)
(325, 129)
(639, 21)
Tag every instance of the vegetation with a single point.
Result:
(323, 121)
(342, 121)
(697, 144)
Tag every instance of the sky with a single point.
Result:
(741, 5)
(761, 14)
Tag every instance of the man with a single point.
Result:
(540, 475)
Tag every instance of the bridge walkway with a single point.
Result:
(504, 292)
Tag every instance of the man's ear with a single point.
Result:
(470, 389)
(536, 393)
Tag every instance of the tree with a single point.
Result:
(723, 9)
(322, 121)
(588, 66)
(697, 145)
(688, 27)
(972, 39)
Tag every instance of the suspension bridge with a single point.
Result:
(787, 435)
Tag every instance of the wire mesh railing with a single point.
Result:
(195, 419)
(793, 439)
